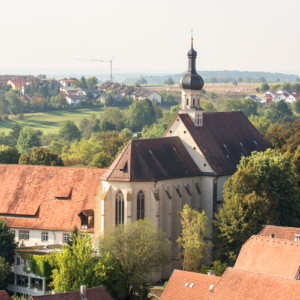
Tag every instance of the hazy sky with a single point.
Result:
(256, 35)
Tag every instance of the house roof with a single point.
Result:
(270, 256)
(176, 288)
(280, 232)
(152, 160)
(76, 97)
(224, 138)
(67, 80)
(51, 198)
(18, 82)
(98, 293)
(239, 284)
(4, 295)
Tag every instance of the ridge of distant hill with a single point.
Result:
(220, 75)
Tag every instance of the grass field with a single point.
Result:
(49, 122)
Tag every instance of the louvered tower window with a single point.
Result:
(140, 205)
(119, 208)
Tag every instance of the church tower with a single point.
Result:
(191, 85)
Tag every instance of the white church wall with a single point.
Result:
(178, 129)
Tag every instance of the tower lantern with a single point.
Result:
(191, 85)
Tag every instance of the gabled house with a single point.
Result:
(66, 82)
(16, 84)
(140, 94)
(74, 100)
(292, 97)
(283, 92)
(281, 232)
(72, 91)
(271, 94)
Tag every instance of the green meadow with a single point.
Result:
(49, 122)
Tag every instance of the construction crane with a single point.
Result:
(109, 59)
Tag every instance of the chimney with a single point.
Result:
(83, 291)
(297, 237)
(272, 236)
(211, 273)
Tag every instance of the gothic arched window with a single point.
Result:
(187, 101)
(119, 208)
(140, 206)
(193, 102)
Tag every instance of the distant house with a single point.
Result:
(71, 91)
(121, 88)
(293, 97)
(140, 94)
(283, 92)
(75, 99)
(66, 82)
(116, 97)
(94, 92)
(281, 96)
(16, 84)
(271, 94)
(253, 97)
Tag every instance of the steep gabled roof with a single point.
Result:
(244, 285)
(224, 138)
(98, 293)
(4, 295)
(46, 197)
(280, 232)
(270, 256)
(179, 286)
(152, 160)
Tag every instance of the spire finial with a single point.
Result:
(192, 38)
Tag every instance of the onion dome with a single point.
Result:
(191, 80)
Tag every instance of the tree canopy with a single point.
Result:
(28, 139)
(69, 131)
(7, 243)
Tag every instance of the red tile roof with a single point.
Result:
(152, 160)
(46, 197)
(18, 82)
(270, 256)
(176, 289)
(224, 138)
(244, 285)
(98, 293)
(67, 80)
(4, 296)
(279, 232)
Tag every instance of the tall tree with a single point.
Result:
(234, 82)
(9, 156)
(263, 191)
(4, 104)
(7, 243)
(137, 250)
(14, 135)
(91, 82)
(240, 79)
(69, 131)
(280, 113)
(15, 104)
(261, 124)
(28, 139)
(194, 228)
(169, 81)
(5, 270)
(264, 87)
(249, 107)
(262, 79)
(83, 80)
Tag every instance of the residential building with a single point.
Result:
(24, 282)
(120, 88)
(271, 94)
(97, 293)
(253, 97)
(154, 178)
(42, 204)
(116, 97)
(140, 94)
(283, 92)
(66, 82)
(184, 285)
(72, 91)
(94, 92)
(74, 100)
(292, 97)
(16, 84)
(282, 96)
(281, 232)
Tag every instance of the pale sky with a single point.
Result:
(256, 35)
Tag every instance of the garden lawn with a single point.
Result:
(49, 122)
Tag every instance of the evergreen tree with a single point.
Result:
(7, 243)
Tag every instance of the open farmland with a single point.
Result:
(49, 122)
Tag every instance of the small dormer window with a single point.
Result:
(87, 218)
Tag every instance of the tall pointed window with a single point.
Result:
(119, 208)
(187, 101)
(140, 206)
(193, 102)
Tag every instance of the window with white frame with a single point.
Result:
(66, 237)
(24, 235)
(44, 236)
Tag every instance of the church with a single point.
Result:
(154, 178)
(151, 178)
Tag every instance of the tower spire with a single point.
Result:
(192, 38)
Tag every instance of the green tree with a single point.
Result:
(9, 156)
(89, 96)
(83, 80)
(7, 243)
(277, 79)
(91, 82)
(240, 79)
(296, 106)
(43, 157)
(78, 84)
(15, 104)
(101, 160)
(169, 82)
(249, 79)
(194, 248)
(261, 124)
(262, 191)
(213, 80)
(4, 105)
(217, 267)
(208, 107)
(234, 82)
(137, 250)
(229, 105)
(74, 236)
(5, 270)
(264, 87)
(86, 128)
(28, 139)
(262, 79)
(295, 87)
(249, 107)
(69, 131)
(114, 116)
(79, 264)
(286, 86)
(109, 101)
(139, 114)
(280, 113)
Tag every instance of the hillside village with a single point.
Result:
(100, 213)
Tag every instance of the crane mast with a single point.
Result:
(110, 60)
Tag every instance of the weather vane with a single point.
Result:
(192, 33)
